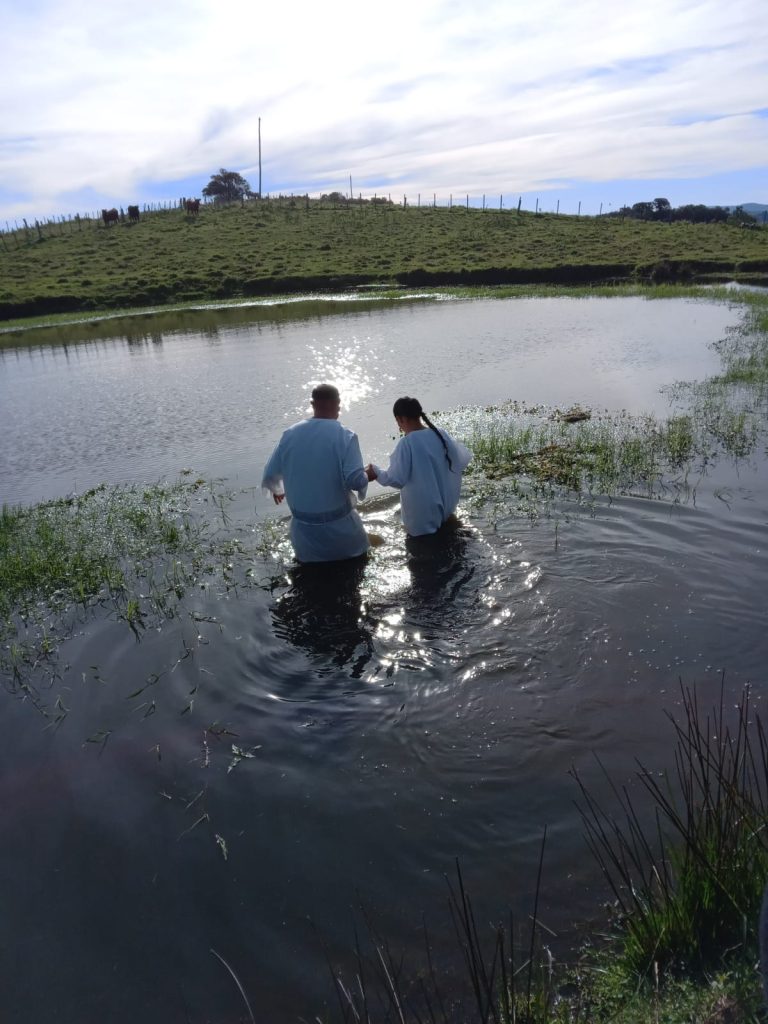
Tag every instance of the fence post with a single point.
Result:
(483, 201)
(467, 200)
(579, 213)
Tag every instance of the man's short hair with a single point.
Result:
(325, 393)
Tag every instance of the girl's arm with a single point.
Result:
(398, 472)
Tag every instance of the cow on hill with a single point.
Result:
(133, 213)
(192, 206)
(110, 216)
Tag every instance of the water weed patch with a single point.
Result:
(133, 552)
(527, 455)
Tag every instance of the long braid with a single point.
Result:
(432, 426)
(411, 409)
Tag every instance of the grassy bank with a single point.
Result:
(276, 247)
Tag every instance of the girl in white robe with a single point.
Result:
(426, 466)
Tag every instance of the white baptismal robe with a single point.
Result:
(318, 463)
(429, 488)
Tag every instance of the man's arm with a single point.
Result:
(355, 478)
(399, 469)
(272, 480)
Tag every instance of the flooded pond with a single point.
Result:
(243, 777)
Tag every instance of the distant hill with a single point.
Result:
(271, 247)
(755, 210)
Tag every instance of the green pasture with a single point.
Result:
(269, 247)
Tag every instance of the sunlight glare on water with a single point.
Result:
(350, 364)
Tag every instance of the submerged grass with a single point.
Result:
(135, 552)
(538, 452)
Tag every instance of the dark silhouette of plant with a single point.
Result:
(227, 187)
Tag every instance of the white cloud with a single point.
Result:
(495, 96)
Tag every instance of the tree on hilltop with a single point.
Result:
(227, 187)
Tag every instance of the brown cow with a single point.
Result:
(110, 216)
(133, 213)
(192, 206)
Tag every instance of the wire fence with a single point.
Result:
(16, 234)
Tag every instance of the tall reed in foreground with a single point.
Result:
(498, 984)
(688, 888)
(686, 860)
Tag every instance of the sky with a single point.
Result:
(571, 106)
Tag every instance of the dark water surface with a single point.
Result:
(344, 739)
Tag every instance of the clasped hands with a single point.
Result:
(370, 472)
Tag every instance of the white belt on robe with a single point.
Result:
(318, 518)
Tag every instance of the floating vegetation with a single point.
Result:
(134, 552)
(525, 456)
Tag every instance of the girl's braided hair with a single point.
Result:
(411, 409)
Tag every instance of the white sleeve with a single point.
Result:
(398, 472)
(354, 474)
(464, 455)
(272, 479)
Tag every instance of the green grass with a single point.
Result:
(273, 247)
(133, 551)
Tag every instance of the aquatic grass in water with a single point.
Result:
(135, 551)
(537, 451)
(606, 453)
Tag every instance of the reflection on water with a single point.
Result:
(439, 569)
(405, 606)
(321, 613)
(349, 363)
(214, 390)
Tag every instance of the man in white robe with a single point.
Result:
(316, 466)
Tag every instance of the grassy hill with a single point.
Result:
(270, 247)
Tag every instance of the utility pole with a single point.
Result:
(259, 158)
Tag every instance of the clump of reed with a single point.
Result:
(688, 887)
(499, 982)
(686, 861)
(606, 453)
